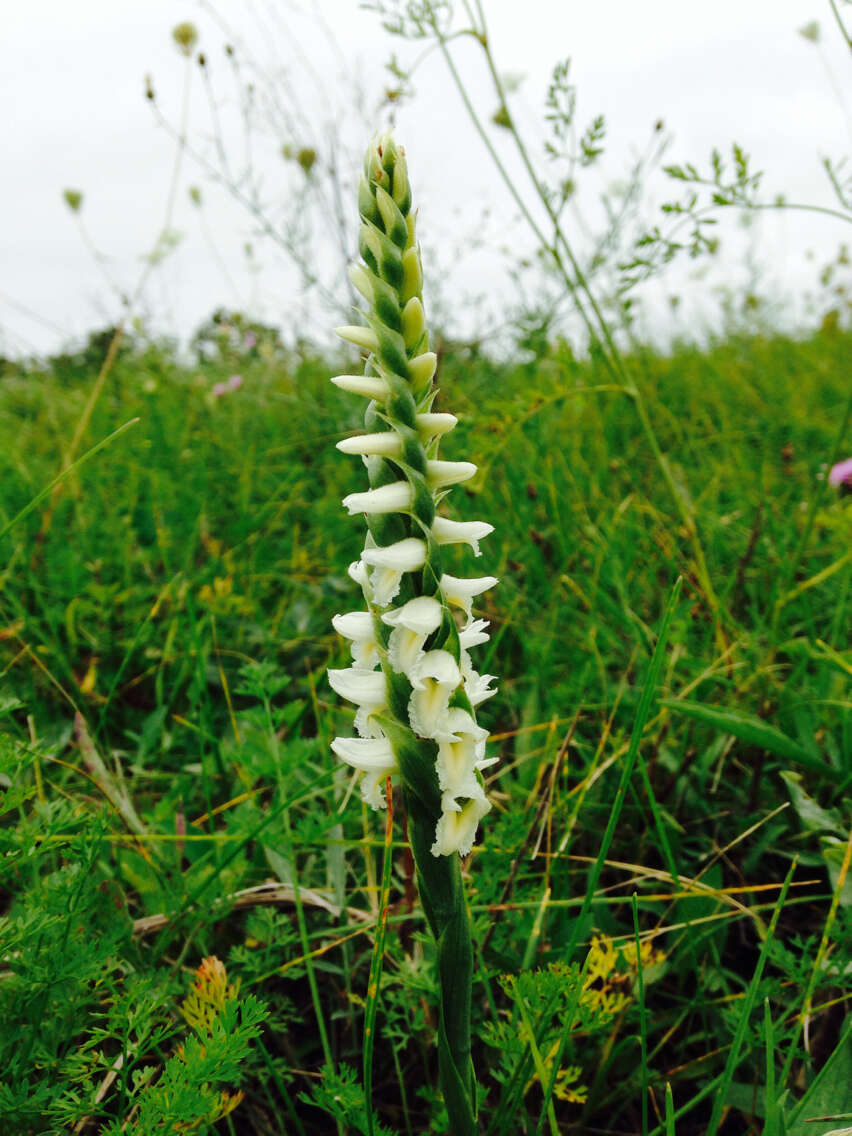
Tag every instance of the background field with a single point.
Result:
(164, 637)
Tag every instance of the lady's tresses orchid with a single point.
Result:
(417, 644)
(412, 677)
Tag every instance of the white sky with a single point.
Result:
(72, 81)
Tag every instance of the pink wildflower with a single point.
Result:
(234, 383)
(841, 474)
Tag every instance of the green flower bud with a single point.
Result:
(412, 274)
(392, 218)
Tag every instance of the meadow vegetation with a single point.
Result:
(169, 798)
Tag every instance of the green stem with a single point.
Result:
(442, 896)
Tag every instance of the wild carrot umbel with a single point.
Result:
(412, 677)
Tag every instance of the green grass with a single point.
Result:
(175, 592)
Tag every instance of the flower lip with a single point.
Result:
(474, 634)
(412, 625)
(477, 687)
(457, 825)
(433, 679)
(447, 531)
(462, 592)
(460, 755)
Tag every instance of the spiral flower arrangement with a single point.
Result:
(412, 676)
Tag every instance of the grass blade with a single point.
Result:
(642, 715)
(748, 729)
(745, 1014)
(60, 477)
(643, 1036)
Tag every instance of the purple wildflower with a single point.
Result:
(841, 474)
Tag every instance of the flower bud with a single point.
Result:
(413, 324)
(412, 274)
(363, 337)
(387, 444)
(394, 498)
(371, 386)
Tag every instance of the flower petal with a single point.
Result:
(366, 754)
(354, 625)
(447, 531)
(386, 444)
(423, 615)
(433, 679)
(389, 564)
(432, 425)
(477, 688)
(370, 386)
(461, 592)
(841, 473)
(474, 634)
(459, 755)
(403, 556)
(442, 473)
(412, 624)
(421, 368)
(456, 828)
(394, 498)
(358, 628)
(363, 337)
(373, 789)
(366, 688)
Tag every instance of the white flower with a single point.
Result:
(474, 634)
(374, 758)
(421, 368)
(386, 444)
(357, 627)
(457, 825)
(368, 690)
(461, 592)
(477, 688)
(370, 386)
(446, 531)
(412, 625)
(440, 474)
(460, 755)
(394, 498)
(476, 685)
(432, 425)
(363, 337)
(434, 679)
(389, 563)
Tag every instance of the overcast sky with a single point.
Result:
(73, 78)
